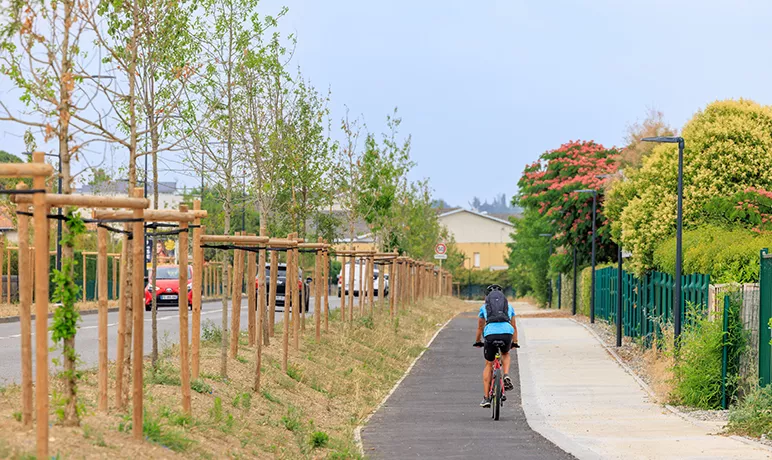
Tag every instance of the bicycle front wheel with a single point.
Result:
(496, 400)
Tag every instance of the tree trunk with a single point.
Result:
(154, 147)
(66, 81)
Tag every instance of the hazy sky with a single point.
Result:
(484, 87)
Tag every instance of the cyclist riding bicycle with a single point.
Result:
(496, 323)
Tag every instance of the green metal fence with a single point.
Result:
(765, 313)
(647, 302)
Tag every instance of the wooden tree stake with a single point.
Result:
(198, 274)
(138, 313)
(102, 305)
(182, 258)
(40, 222)
(25, 314)
(272, 293)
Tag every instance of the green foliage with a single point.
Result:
(267, 395)
(242, 400)
(528, 257)
(727, 255)
(294, 372)
(366, 322)
(752, 415)
(200, 386)
(728, 149)
(172, 439)
(697, 371)
(319, 439)
(210, 332)
(291, 420)
(751, 208)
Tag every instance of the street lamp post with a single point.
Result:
(592, 277)
(573, 302)
(619, 295)
(549, 292)
(677, 300)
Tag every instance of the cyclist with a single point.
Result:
(496, 322)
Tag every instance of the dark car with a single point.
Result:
(281, 283)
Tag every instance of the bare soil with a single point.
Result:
(329, 388)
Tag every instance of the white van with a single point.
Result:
(359, 269)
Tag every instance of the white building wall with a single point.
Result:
(467, 227)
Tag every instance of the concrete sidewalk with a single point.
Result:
(576, 395)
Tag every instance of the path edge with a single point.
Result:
(674, 410)
(534, 416)
(363, 423)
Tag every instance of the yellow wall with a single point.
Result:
(491, 254)
(357, 247)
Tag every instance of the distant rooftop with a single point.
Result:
(121, 187)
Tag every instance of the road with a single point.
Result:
(434, 413)
(87, 340)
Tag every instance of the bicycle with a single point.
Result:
(497, 392)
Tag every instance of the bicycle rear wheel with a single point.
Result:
(496, 400)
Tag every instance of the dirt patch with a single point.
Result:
(308, 412)
(11, 310)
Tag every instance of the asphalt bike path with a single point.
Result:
(435, 413)
(87, 340)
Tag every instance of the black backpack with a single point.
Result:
(496, 308)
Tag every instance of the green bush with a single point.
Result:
(697, 371)
(319, 439)
(727, 255)
(753, 415)
(728, 149)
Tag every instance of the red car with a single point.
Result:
(168, 287)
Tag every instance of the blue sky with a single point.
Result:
(485, 87)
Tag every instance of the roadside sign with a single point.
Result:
(440, 249)
(440, 256)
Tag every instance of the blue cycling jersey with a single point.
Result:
(497, 328)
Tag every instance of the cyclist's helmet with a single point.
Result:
(491, 288)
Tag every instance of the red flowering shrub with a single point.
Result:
(548, 186)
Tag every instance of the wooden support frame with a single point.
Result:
(182, 260)
(102, 306)
(198, 289)
(25, 313)
(38, 170)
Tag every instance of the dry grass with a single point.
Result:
(658, 367)
(329, 388)
(9, 310)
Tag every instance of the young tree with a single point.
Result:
(636, 150)
(227, 45)
(39, 51)
(383, 167)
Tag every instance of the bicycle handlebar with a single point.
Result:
(478, 344)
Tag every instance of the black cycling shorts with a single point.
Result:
(489, 350)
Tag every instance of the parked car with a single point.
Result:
(281, 283)
(167, 287)
(357, 274)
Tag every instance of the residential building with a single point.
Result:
(169, 196)
(481, 237)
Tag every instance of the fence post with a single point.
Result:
(724, 351)
(619, 296)
(765, 312)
